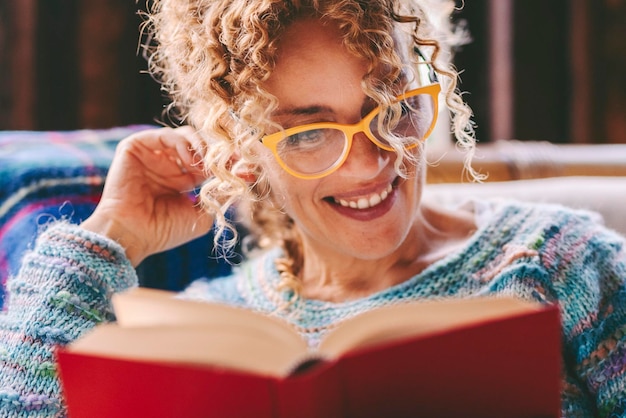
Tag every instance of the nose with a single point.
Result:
(365, 160)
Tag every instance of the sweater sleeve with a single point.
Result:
(63, 289)
(589, 271)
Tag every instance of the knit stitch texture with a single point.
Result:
(536, 252)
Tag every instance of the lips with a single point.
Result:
(365, 202)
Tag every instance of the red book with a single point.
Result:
(165, 357)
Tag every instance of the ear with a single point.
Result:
(243, 170)
(248, 176)
(246, 173)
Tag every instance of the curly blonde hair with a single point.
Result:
(213, 56)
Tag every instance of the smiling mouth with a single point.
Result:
(366, 202)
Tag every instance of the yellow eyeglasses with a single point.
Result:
(316, 150)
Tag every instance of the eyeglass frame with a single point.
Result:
(350, 130)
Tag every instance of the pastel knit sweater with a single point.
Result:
(542, 253)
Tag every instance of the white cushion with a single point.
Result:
(605, 195)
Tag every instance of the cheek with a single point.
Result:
(282, 189)
(413, 165)
(292, 195)
(271, 172)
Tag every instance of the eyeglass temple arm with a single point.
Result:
(432, 75)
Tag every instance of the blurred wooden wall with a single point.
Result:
(536, 70)
(546, 70)
(67, 64)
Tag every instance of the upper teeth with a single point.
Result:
(366, 202)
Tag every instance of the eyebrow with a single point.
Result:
(316, 109)
(304, 110)
(366, 107)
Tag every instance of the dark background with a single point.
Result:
(68, 64)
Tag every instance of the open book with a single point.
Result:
(455, 357)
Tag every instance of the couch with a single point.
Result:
(45, 176)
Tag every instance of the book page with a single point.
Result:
(140, 307)
(230, 348)
(226, 335)
(412, 319)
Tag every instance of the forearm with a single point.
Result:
(595, 319)
(63, 289)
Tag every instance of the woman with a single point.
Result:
(311, 116)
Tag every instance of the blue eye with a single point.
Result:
(311, 138)
(406, 113)
(405, 109)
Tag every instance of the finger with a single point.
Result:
(176, 157)
(190, 147)
(179, 142)
(189, 144)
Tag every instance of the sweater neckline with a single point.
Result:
(423, 284)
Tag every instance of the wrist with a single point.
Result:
(113, 230)
(72, 245)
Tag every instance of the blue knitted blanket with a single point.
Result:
(46, 176)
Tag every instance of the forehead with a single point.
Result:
(311, 59)
(309, 45)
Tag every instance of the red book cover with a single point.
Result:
(503, 366)
(100, 387)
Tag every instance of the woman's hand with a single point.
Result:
(145, 205)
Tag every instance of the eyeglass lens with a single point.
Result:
(317, 150)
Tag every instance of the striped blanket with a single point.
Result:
(46, 176)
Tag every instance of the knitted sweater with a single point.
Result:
(543, 253)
